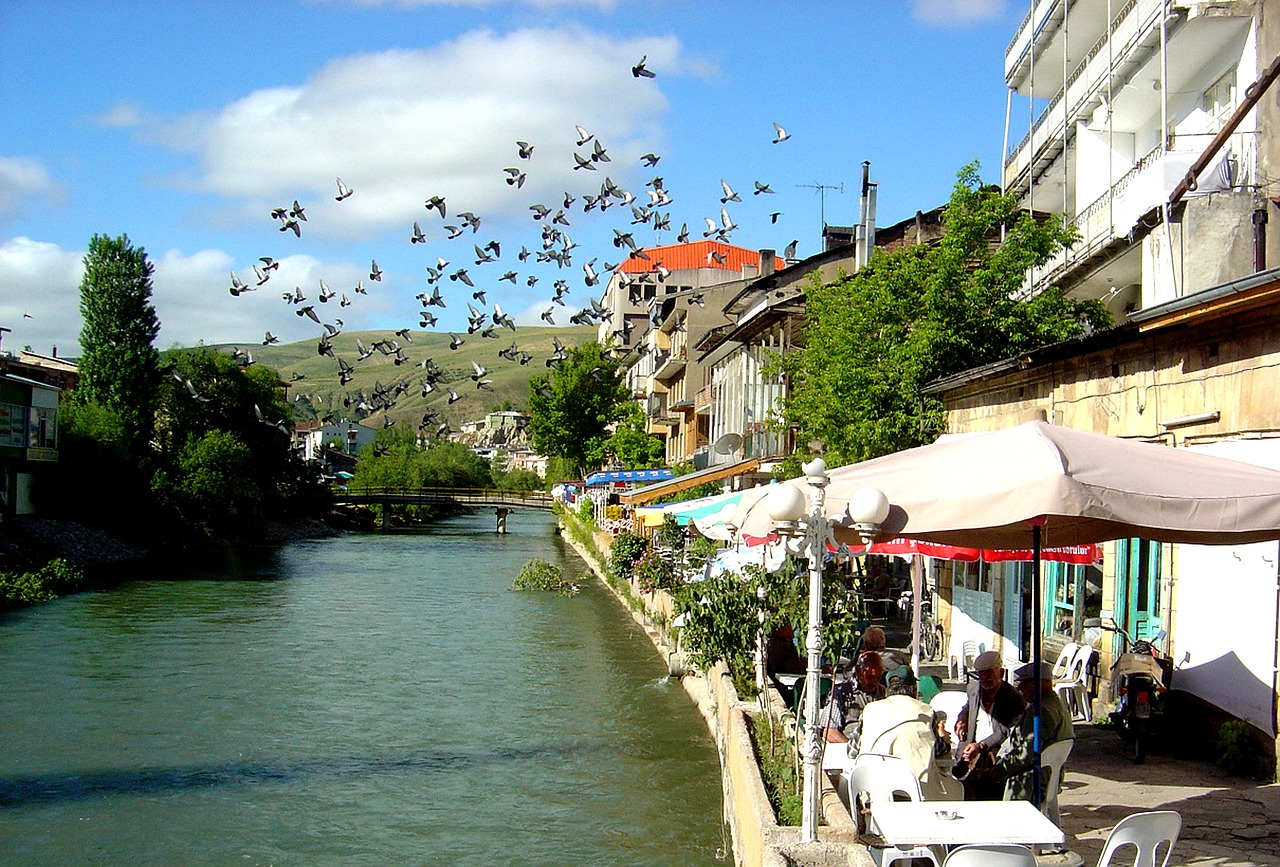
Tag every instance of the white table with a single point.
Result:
(915, 823)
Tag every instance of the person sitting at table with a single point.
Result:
(782, 657)
(1014, 762)
(873, 639)
(992, 709)
(839, 718)
(901, 725)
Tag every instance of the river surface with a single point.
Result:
(366, 699)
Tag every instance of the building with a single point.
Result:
(30, 387)
(1157, 139)
(662, 305)
(1135, 98)
(311, 439)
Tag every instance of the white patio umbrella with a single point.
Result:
(1039, 484)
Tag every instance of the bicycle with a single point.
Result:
(931, 634)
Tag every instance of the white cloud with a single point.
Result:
(21, 181)
(398, 126)
(193, 300)
(954, 13)
(41, 297)
(124, 115)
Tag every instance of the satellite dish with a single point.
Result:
(728, 444)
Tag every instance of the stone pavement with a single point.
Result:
(1227, 821)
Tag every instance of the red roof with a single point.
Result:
(696, 254)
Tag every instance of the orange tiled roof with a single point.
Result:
(682, 257)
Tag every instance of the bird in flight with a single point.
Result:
(650, 160)
(524, 149)
(417, 237)
(780, 134)
(583, 135)
(344, 191)
(436, 202)
(375, 273)
(639, 70)
(729, 194)
(773, 218)
(761, 188)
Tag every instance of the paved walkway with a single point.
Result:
(1227, 821)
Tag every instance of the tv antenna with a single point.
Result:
(822, 197)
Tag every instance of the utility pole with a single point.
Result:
(822, 198)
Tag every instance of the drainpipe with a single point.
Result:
(860, 230)
(1260, 239)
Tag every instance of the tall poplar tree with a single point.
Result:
(119, 364)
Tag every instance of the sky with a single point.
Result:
(184, 124)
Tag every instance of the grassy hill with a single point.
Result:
(320, 390)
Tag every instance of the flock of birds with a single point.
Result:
(649, 209)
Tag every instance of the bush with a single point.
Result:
(541, 575)
(627, 549)
(775, 754)
(1236, 749)
(55, 578)
(653, 572)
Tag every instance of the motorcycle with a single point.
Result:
(1140, 677)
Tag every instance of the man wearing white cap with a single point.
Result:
(992, 710)
(1013, 765)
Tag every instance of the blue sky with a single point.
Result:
(182, 124)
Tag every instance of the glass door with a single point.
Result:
(1137, 605)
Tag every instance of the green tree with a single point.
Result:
(118, 362)
(631, 445)
(916, 314)
(572, 408)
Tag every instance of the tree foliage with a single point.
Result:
(631, 445)
(916, 314)
(572, 408)
(118, 362)
(397, 460)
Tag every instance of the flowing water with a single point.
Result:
(367, 699)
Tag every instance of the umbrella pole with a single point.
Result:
(1036, 629)
(917, 590)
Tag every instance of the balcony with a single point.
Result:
(669, 365)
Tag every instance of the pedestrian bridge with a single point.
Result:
(466, 497)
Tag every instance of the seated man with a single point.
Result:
(1015, 760)
(873, 639)
(782, 657)
(901, 725)
(839, 719)
(991, 711)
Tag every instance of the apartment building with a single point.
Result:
(1150, 136)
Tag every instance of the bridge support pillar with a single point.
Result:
(502, 512)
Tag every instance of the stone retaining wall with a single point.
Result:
(758, 839)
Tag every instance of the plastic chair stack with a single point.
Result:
(1073, 688)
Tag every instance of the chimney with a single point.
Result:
(767, 263)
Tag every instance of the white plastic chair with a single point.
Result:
(950, 702)
(1063, 663)
(1073, 689)
(990, 855)
(963, 663)
(881, 778)
(1145, 832)
(1054, 757)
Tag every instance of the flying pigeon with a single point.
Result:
(729, 194)
(343, 191)
(761, 188)
(639, 71)
(417, 237)
(375, 273)
(583, 135)
(525, 149)
(780, 134)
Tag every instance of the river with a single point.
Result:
(365, 699)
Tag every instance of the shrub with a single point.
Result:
(627, 548)
(541, 575)
(1236, 749)
(53, 579)
(775, 753)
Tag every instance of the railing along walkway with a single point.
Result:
(393, 495)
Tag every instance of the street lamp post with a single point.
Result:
(868, 509)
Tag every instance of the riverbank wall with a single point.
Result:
(758, 839)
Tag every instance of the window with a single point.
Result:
(1220, 98)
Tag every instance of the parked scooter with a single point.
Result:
(1140, 677)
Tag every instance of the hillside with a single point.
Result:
(318, 388)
